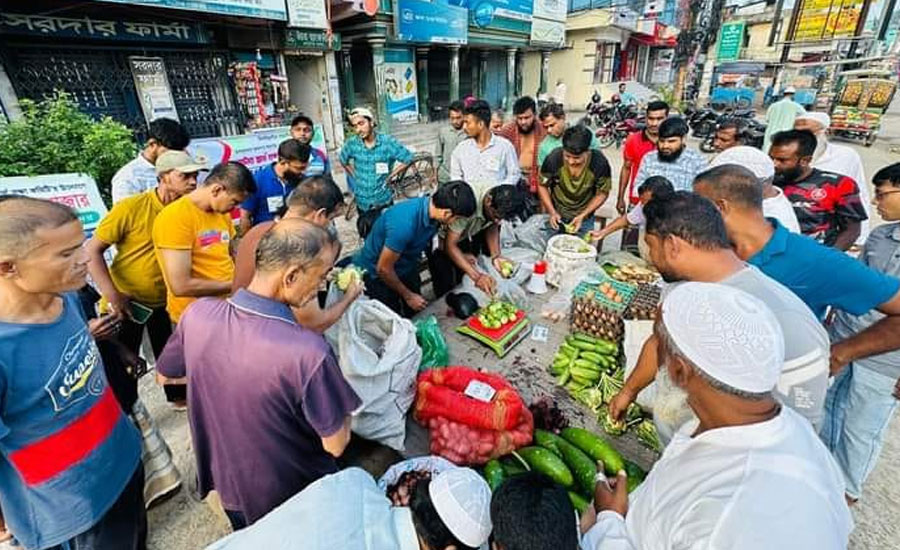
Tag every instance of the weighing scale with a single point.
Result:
(500, 340)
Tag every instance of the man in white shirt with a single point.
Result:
(838, 159)
(748, 473)
(348, 510)
(139, 175)
(775, 204)
(688, 242)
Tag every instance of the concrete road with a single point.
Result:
(182, 523)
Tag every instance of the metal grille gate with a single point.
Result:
(100, 81)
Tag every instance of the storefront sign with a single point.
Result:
(731, 39)
(77, 191)
(307, 13)
(100, 29)
(254, 150)
(520, 10)
(827, 19)
(431, 22)
(263, 9)
(661, 73)
(310, 39)
(549, 33)
(399, 83)
(152, 87)
(554, 10)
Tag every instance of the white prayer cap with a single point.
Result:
(817, 116)
(462, 499)
(750, 158)
(725, 332)
(790, 90)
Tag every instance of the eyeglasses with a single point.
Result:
(879, 196)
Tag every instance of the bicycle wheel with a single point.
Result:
(419, 178)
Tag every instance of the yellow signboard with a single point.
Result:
(826, 19)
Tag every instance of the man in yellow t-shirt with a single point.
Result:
(192, 237)
(134, 274)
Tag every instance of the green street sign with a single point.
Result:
(731, 38)
(310, 39)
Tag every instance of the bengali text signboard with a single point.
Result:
(77, 191)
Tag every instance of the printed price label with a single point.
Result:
(480, 391)
(539, 333)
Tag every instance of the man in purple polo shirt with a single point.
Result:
(269, 408)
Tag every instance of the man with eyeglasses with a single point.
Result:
(317, 200)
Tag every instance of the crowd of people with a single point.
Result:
(776, 352)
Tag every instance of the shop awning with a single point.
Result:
(740, 67)
(643, 35)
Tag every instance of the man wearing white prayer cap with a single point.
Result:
(839, 159)
(348, 510)
(775, 204)
(748, 473)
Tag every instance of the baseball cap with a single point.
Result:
(749, 157)
(363, 112)
(730, 335)
(177, 160)
(462, 499)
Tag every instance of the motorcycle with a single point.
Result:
(617, 131)
(707, 120)
(753, 135)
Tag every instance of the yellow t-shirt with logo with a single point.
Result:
(129, 227)
(183, 226)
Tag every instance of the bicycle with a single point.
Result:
(417, 179)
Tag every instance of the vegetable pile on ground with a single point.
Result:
(583, 361)
(401, 491)
(466, 426)
(569, 459)
(635, 274)
(589, 369)
(497, 314)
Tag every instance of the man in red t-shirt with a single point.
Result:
(637, 145)
(827, 205)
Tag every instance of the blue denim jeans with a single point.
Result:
(858, 408)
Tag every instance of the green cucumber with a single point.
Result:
(568, 350)
(548, 440)
(544, 461)
(585, 346)
(585, 338)
(636, 475)
(512, 467)
(578, 502)
(493, 473)
(583, 468)
(587, 364)
(592, 356)
(595, 447)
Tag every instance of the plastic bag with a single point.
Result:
(433, 464)
(560, 304)
(530, 234)
(431, 340)
(507, 290)
(379, 356)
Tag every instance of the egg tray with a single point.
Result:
(625, 290)
(643, 306)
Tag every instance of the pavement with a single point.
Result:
(183, 523)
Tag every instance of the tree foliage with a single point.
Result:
(54, 137)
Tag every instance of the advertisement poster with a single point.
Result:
(77, 191)
(431, 22)
(731, 38)
(308, 14)
(152, 87)
(554, 10)
(263, 9)
(485, 10)
(827, 19)
(549, 33)
(399, 76)
(254, 150)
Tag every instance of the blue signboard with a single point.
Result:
(485, 10)
(431, 22)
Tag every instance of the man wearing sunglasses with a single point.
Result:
(317, 200)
